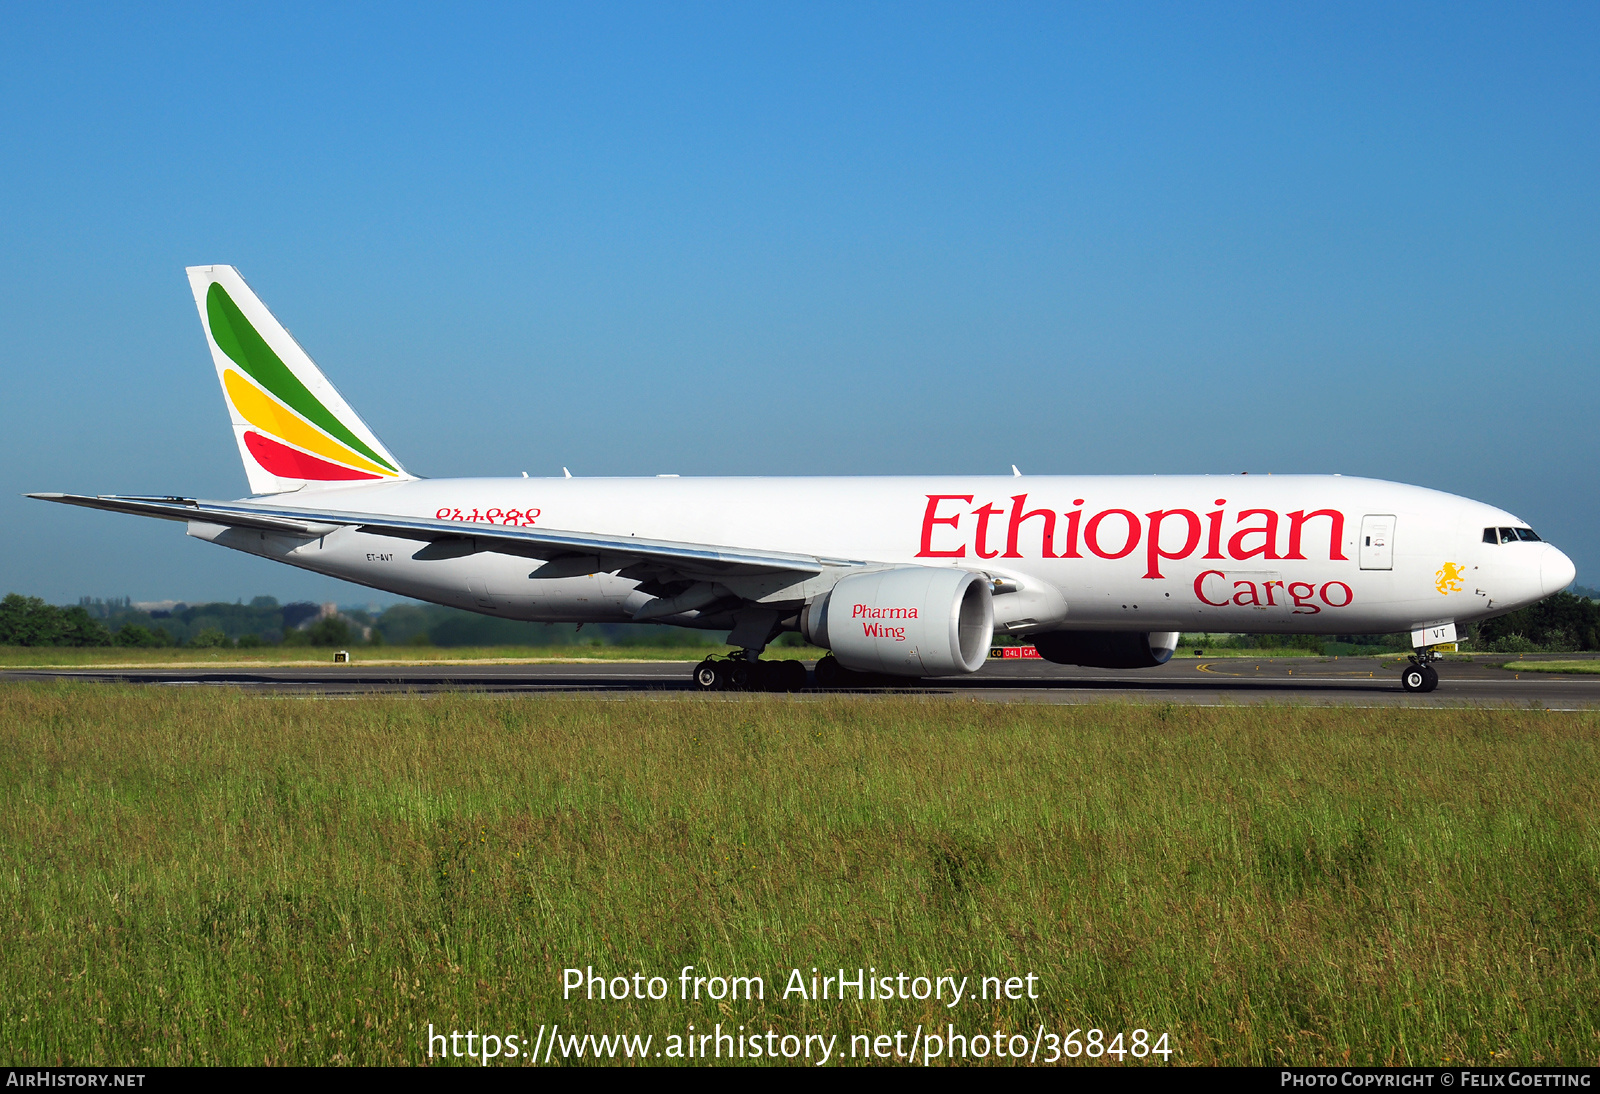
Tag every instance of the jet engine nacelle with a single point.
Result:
(908, 621)
(1107, 649)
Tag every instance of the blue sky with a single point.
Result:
(807, 239)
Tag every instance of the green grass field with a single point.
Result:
(1553, 666)
(210, 876)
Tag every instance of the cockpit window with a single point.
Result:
(1511, 535)
(1491, 535)
(1527, 535)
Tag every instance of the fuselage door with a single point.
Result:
(1377, 542)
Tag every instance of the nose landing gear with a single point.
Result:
(1420, 676)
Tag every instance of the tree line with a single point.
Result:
(1559, 622)
(29, 621)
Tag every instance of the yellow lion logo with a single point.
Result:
(1448, 579)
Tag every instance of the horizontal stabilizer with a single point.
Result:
(174, 508)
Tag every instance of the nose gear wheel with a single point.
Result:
(1419, 677)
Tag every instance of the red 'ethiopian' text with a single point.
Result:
(1164, 534)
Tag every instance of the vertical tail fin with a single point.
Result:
(293, 428)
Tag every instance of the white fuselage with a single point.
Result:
(1296, 553)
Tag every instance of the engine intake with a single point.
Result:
(1107, 649)
(908, 621)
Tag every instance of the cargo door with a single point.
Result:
(1377, 542)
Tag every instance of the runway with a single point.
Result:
(1219, 681)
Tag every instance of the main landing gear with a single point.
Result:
(742, 673)
(1419, 675)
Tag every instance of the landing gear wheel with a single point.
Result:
(738, 673)
(767, 675)
(1415, 678)
(1431, 678)
(831, 674)
(790, 676)
(763, 675)
(708, 676)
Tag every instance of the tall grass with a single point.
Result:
(219, 877)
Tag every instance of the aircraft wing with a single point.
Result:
(564, 553)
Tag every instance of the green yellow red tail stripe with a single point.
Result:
(292, 427)
(238, 338)
(274, 420)
(286, 463)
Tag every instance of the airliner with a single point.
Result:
(895, 577)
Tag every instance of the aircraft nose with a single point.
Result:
(1556, 571)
